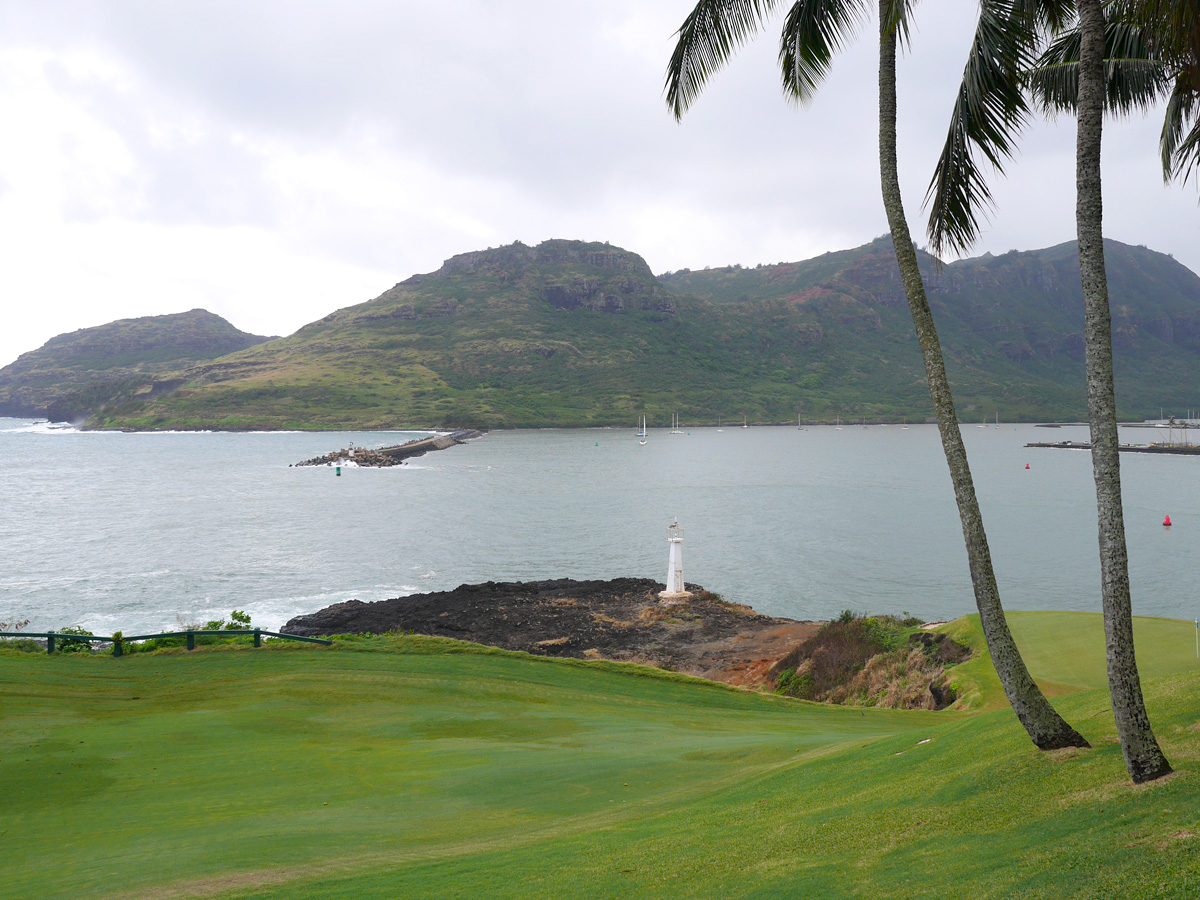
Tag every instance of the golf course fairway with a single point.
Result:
(403, 766)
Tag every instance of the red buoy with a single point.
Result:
(1027, 465)
(1167, 521)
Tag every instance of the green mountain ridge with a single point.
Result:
(572, 333)
(72, 374)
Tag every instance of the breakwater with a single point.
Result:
(382, 457)
(1177, 449)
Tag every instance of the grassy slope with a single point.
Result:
(487, 774)
(1065, 652)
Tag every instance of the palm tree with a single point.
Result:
(953, 225)
(1152, 50)
(813, 31)
(1143, 758)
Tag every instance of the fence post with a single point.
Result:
(116, 648)
(191, 643)
(257, 637)
(49, 643)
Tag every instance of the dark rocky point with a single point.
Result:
(621, 619)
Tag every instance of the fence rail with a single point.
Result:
(191, 635)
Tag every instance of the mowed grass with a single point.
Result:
(1065, 653)
(129, 773)
(431, 769)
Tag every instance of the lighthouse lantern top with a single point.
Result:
(674, 532)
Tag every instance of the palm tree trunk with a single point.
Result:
(1143, 758)
(1046, 728)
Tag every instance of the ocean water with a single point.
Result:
(140, 532)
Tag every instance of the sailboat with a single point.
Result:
(838, 427)
(642, 434)
(744, 422)
(675, 424)
(719, 428)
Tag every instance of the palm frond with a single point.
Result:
(709, 35)
(1187, 155)
(989, 112)
(1180, 139)
(1174, 25)
(1135, 74)
(813, 31)
(1045, 16)
(896, 16)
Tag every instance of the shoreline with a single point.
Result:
(83, 428)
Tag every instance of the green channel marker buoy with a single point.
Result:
(339, 470)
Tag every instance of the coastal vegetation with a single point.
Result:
(400, 765)
(885, 661)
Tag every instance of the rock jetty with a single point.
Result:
(621, 619)
(382, 457)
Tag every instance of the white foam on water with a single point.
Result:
(35, 426)
(273, 612)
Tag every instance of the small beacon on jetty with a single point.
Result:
(675, 591)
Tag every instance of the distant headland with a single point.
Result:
(576, 334)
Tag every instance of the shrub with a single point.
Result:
(794, 683)
(888, 631)
(66, 645)
(870, 661)
(238, 621)
(831, 656)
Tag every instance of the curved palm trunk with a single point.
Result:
(1046, 727)
(1143, 758)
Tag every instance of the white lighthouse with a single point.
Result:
(675, 589)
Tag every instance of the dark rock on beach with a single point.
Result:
(621, 619)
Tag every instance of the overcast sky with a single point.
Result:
(273, 161)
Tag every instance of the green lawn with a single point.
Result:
(1065, 652)
(415, 767)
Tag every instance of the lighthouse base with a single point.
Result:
(670, 598)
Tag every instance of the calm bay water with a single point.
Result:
(137, 532)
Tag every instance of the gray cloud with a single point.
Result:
(529, 119)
